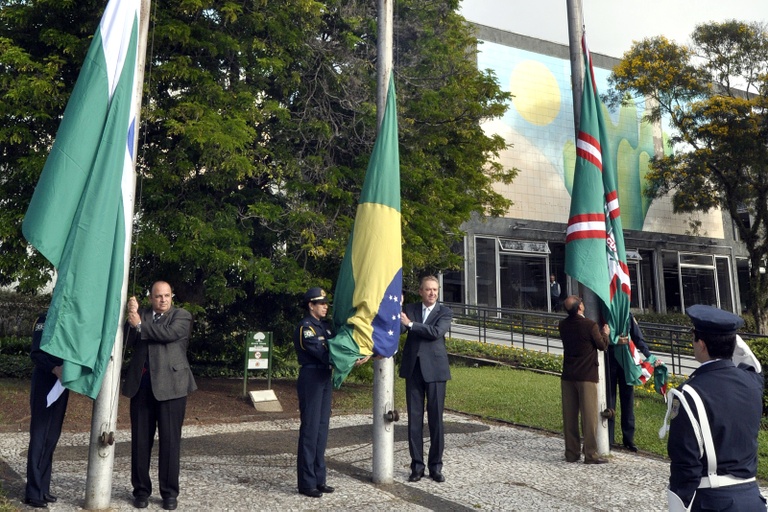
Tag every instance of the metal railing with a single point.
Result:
(538, 330)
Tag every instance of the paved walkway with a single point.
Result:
(251, 466)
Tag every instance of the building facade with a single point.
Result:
(675, 260)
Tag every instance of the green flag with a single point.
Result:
(79, 216)
(594, 250)
(366, 303)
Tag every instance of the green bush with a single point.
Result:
(16, 366)
(15, 345)
(513, 356)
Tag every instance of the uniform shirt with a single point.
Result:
(42, 360)
(311, 341)
(732, 397)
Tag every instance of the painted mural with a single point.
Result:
(539, 128)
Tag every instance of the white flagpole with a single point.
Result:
(101, 451)
(383, 368)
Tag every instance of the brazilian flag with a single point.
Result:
(366, 303)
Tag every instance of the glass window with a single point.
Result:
(698, 286)
(648, 282)
(723, 268)
(485, 259)
(742, 271)
(671, 281)
(696, 259)
(524, 282)
(453, 281)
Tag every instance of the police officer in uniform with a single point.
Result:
(722, 403)
(314, 390)
(45, 423)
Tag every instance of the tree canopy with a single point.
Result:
(714, 91)
(258, 121)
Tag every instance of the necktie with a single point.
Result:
(156, 316)
(425, 314)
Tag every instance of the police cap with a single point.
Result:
(713, 320)
(315, 294)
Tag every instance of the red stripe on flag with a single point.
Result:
(584, 234)
(587, 217)
(588, 148)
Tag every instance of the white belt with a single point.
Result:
(722, 481)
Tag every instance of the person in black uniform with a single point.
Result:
(626, 392)
(314, 390)
(45, 423)
(722, 402)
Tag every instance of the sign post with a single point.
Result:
(258, 356)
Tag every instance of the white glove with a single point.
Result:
(743, 354)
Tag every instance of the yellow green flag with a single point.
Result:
(369, 289)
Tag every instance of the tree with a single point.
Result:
(715, 94)
(258, 122)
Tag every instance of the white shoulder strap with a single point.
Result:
(701, 428)
(672, 393)
(706, 433)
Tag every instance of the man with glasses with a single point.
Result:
(714, 419)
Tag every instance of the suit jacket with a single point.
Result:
(165, 343)
(426, 342)
(582, 339)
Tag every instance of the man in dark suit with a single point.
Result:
(157, 381)
(45, 423)
(626, 392)
(714, 420)
(582, 338)
(425, 369)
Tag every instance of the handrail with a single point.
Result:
(538, 330)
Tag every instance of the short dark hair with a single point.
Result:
(719, 346)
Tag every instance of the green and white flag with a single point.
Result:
(594, 246)
(80, 214)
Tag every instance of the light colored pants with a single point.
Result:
(579, 397)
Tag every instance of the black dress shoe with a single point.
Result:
(170, 504)
(312, 493)
(140, 502)
(416, 476)
(437, 477)
(325, 489)
(596, 461)
(35, 503)
(50, 498)
(630, 446)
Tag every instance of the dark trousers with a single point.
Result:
(626, 394)
(734, 498)
(415, 392)
(44, 432)
(314, 390)
(147, 416)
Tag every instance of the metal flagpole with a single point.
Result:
(591, 302)
(101, 450)
(383, 368)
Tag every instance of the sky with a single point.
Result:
(607, 34)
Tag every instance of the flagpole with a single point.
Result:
(384, 367)
(590, 299)
(101, 450)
